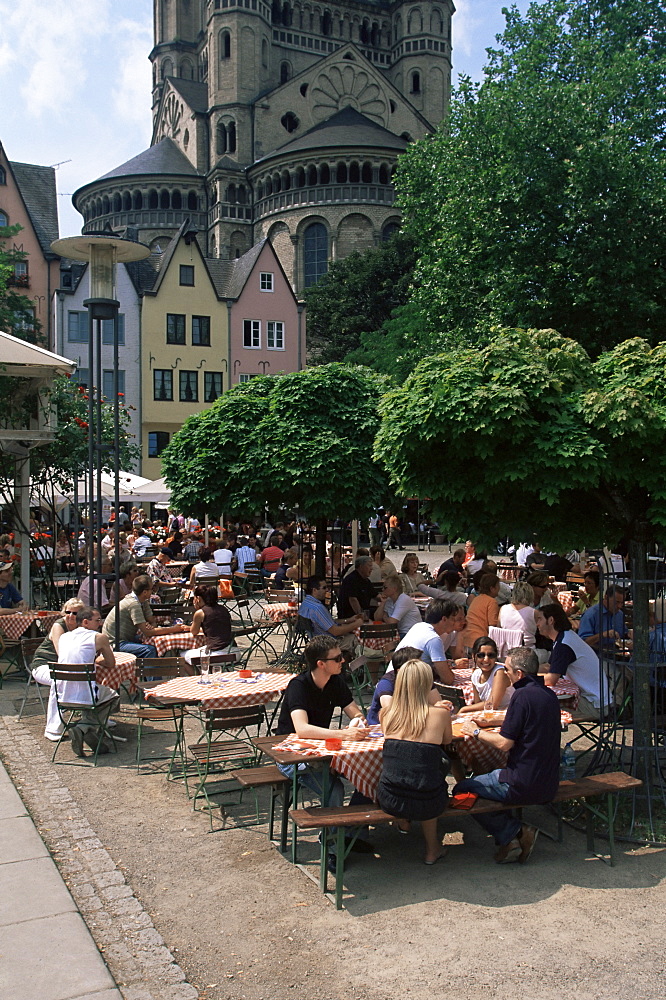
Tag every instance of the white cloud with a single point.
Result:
(131, 99)
(52, 41)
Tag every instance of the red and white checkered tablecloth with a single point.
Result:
(232, 691)
(567, 600)
(360, 761)
(279, 612)
(124, 670)
(463, 679)
(380, 643)
(176, 641)
(13, 626)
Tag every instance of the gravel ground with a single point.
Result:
(181, 913)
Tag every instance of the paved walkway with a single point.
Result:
(46, 950)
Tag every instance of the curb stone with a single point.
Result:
(132, 947)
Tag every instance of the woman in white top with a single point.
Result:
(519, 615)
(396, 608)
(205, 568)
(488, 677)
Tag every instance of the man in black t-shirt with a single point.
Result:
(530, 734)
(357, 594)
(307, 710)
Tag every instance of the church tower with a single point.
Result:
(281, 119)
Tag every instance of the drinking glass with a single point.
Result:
(488, 709)
(216, 671)
(205, 664)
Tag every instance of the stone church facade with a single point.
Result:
(281, 120)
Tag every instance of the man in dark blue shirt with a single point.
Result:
(530, 734)
(10, 599)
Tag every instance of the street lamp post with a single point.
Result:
(102, 253)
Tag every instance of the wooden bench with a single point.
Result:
(342, 818)
(268, 776)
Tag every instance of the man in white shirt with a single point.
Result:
(86, 644)
(443, 621)
(572, 656)
(223, 556)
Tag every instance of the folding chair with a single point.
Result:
(506, 639)
(362, 677)
(453, 694)
(225, 745)
(150, 673)
(83, 674)
(28, 649)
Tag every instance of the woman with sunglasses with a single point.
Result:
(488, 677)
(46, 655)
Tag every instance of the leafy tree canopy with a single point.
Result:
(17, 315)
(356, 297)
(527, 433)
(303, 439)
(541, 201)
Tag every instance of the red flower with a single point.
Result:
(121, 393)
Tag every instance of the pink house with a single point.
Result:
(266, 322)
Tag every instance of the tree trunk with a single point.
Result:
(642, 729)
(320, 538)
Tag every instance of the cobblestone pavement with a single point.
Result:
(138, 959)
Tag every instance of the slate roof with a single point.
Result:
(345, 128)
(163, 158)
(38, 189)
(195, 94)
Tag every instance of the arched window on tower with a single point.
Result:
(221, 139)
(366, 173)
(324, 174)
(327, 23)
(354, 174)
(375, 36)
(300, 177)
(383, 174)
(315, 253)
(225, 45)
(364, 34)
(231, 194)
(264, 53)
(192, 202)
(231, 137)
(164, 199)
(286, 15)
(117, 202)
(285, 72)
(137, 201)
(127, 201)
(152, 199)
(105, 205)
(167, 69)
(241, 194)
(276, 12)
(416, 82)
(341, 173)
(176, 200)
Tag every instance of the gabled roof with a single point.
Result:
(195, 94)
(345, 128)
(38, 190)
(242, 269)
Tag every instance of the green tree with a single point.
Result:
(17, 315)
(303, 439)
(527, 432)
(356, 297)
(541, 201)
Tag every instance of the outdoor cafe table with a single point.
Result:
(124, 670)
(229, 691)
(280, 612)
(175, 642)
(14, 626)
(177, 570)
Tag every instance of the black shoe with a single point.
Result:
(361, 847)
(95, 742)
(332, 863)
(77, 736)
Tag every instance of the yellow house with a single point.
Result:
(184, 346)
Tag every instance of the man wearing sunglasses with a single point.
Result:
(307, 710)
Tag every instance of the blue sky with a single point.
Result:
(75, 82)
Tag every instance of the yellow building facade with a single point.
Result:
(184, 348)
